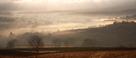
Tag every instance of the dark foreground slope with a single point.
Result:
(9, 52)
(20, 51)
(83, 54)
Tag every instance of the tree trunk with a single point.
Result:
(37, 50)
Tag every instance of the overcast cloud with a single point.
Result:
(65, 4)
(28, 22)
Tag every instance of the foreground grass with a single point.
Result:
(84, 54)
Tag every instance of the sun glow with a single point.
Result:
(97, 1)
(53, 1)
(40, 1)
(37, 0)
(30, 1)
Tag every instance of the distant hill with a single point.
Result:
(115, 35)
(129, 10)
(5, 13)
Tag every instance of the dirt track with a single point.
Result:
(85, 54)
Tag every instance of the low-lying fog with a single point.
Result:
(30, 21)
(21, 22)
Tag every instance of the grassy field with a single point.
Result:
(92, 54)
(83, 54)
(74, 53)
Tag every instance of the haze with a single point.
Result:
(22, 18)
(91, 5)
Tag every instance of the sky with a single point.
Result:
(19, 22)
(66, 4)
(22, 22)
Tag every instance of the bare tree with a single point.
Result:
(57, 42)
(11, 43)
(54, 41)
(87, 43)
(69, 41)
(36, 42)
(0, 47)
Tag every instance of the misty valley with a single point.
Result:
(62, 29)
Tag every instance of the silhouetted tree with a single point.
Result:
(57, 42)
(12, 36)
(36, 42)
(127, 17)
(116, 18)
(54, 42)
(115, 23)
(0, 47)
(69, 41)
(87, 43)
(49, 35)
(132, 22)
(11, 43)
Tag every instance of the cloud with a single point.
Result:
(1, 1)
(6, 23)
(6, 19)
(63, 4)
(5, 13)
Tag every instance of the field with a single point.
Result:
(79, 53)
